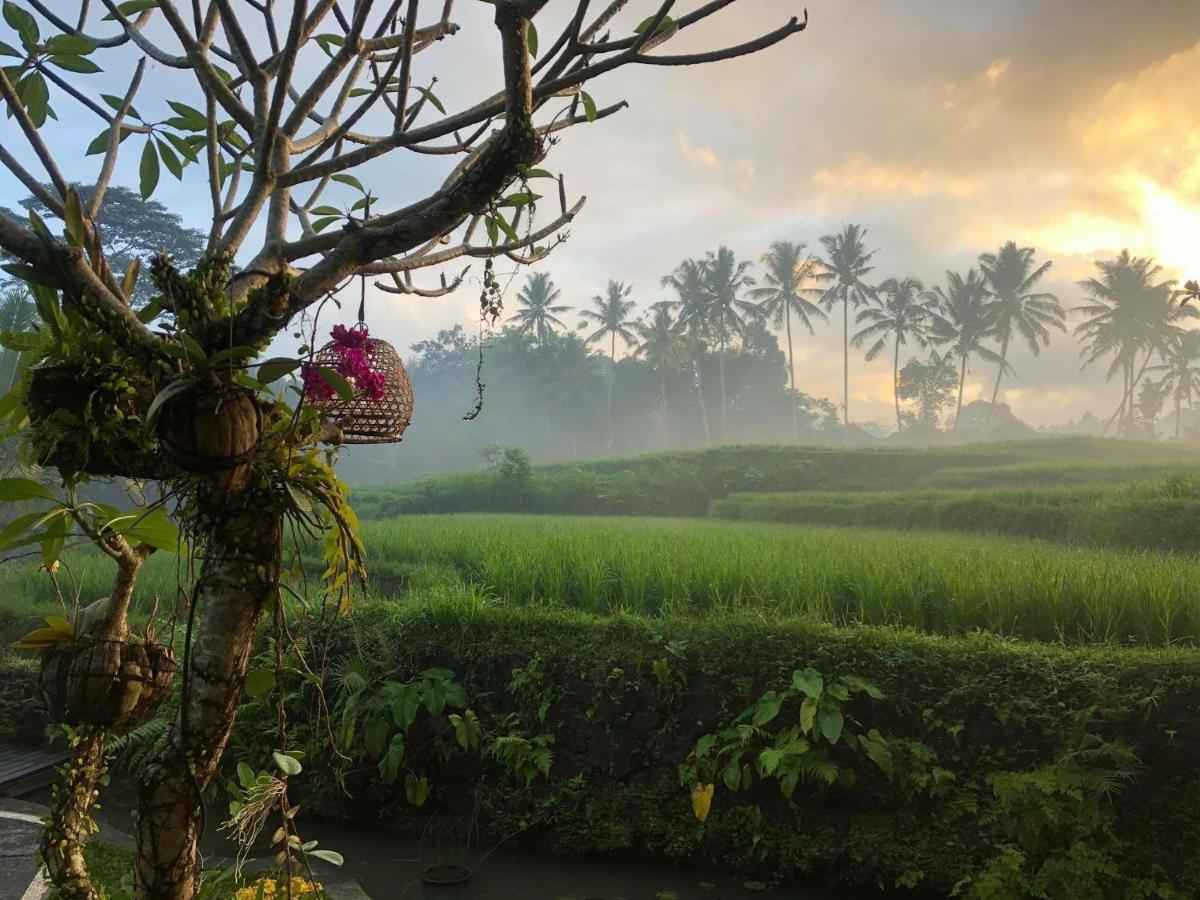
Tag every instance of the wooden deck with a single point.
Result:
(25, 769)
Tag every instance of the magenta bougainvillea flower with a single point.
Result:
(353, 364)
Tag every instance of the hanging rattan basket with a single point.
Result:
(110, 684)
(367, 418)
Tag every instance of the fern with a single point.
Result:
(135, 747)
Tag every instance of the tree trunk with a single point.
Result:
(666, 410)
(999, 375)
(1177, 413)
(787, 318)
(612, 377)
(845, 370)
(896, 382)
(962, 378)
(70, 825)
(700, 397)
(239, 572)
(724, 402)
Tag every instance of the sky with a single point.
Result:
(945, 127)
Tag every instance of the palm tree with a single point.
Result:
(1011, 277)
(789, 269)
(660, 346)
(845, 267)
(903, 313)
(16, 315)
(569, 374)
(1130, 312)
(538, 313)
(1181, 371)
(688, 282)
(724, 279)
(610, 314)
(961, 317)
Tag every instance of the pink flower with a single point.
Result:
(315, 387)
(350, 338)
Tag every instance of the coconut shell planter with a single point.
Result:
(206, 431)
(382, 405)
(107, 684)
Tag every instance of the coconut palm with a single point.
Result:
(725, 277)
(902, 314)
(16, 315)
(961, 317)
(688, 283)
(570, 375)
(1180, 374)
(610, 313)
(789, 271)
(1131, 312)
(1011, 277)
(538, 313)
(846, 265)
(660, 346)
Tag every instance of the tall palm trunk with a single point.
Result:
(896, 381)
(700, 398)
(787, 318)
(962, 379)
(845, 369)
(666, 410)
(999, 375)
(238, 576)
(612, 377)
(724, 402)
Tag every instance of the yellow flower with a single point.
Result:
(702, 795)
(302, 889)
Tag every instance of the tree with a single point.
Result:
(929, 384)
(694, 322)
(724, 278)
(903, 313)
(17, 314)
(660, 346)
(270, 138)
(846, 265)
(610, 315)
(1011, 276)
(1130, 312)
(538, 313)
(570, 376)
(1180, 373)
(131, 228)
(961, 317)
(789, 272)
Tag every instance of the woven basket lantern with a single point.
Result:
(366, 419)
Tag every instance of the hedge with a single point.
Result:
(1017, 769)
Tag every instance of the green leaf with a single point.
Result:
(375, 735)
(509, 231)
(767, 708)
(154, 528)
(732, 776)
(325, 211)
(259, 681)
(343, 388)
(56, 538)
(589, 105)
(9, 50)
(32, 275)
(73, 212)
(300, 498)
(148, 171)
(245, 775)
(194, 351)
(16, 529)
(808, 714)
(830, 722)
(75, 64)
(131, 8)
(645, 24)
(17, 489)
(528, 174)
(100, 143)
(327, 41)
(170, 160)
(432, 98)
(532, 40)
(493, 231)
(171, 390)
(809, 682)
(35, 94)
(330, 856)
(129, 279)
(321, 224)
(275, 368)
(344, 178)
(23, 23)
(519, 200)
(288, 765)
(70, 44)
(190, 118)
(21, 342)
(231, 353)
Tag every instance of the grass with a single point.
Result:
(939, 584)
(684, 483)
(1161, 515)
